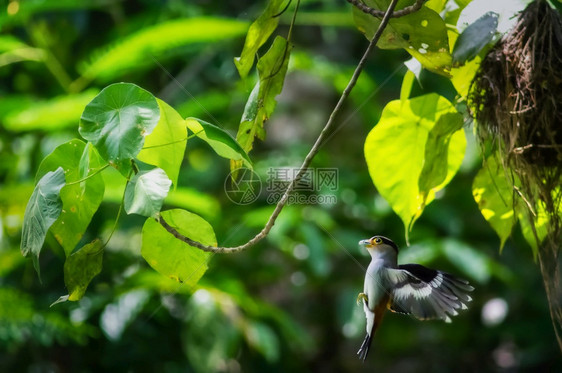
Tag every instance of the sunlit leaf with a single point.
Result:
(462, 76)
(272, 68)
(531, 225)
(170, 256)
(222, 143)
(151, 43)
(395, 151)
(80, 268)
(165, 146)
(423, 34)
(494, 195)
(49, 115)
(117, 120)
(257, 35)
(14, 50)
(436, 158)
(43, 209)
(80, 200)
(475, 37)
(146, 191)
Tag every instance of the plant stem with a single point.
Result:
(308, 159)
(90, 175)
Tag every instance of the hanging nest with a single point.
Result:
(516, 98)
(517, 94)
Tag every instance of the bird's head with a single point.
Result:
(379, 245)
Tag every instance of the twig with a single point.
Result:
(380, 13)
(311, 154)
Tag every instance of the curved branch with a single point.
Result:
(380, 13)
(311, 154)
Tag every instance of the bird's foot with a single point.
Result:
(362, 297)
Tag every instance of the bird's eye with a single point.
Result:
(378, 240)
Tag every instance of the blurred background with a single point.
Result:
(287, 304)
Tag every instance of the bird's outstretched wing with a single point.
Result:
(426, 293)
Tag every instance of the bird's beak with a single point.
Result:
(365, 243)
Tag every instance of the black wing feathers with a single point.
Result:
(427, 293)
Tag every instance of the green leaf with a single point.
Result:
(423, 34)
(152, 43)
(260, 30)
(81, 267)
(14, 50)
(435, 165)
(49, 115)
(475, 37)
(174, 258)
(117, 120)
(222, 143)
(43, 209)
(165, 146)
(145, 193)
(80, 200)
(272, 68)
(539, 224)
(494, 195)
(395, 152)
(462, 76)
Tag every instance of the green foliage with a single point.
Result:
(494, 195)
(117, 120)
(475, 37)
(165, 146)
(272, 68)
(246, 311)
(145, 192)
(152, 43)
(49, 115)
(219, 140)
(43, 209)
(82, 194)
(172, 257)
(260, 30)
(80, 268)
(409, 134)
(423, 34)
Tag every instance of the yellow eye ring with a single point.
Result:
(378, 240)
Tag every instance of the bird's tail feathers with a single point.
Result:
(364, 349)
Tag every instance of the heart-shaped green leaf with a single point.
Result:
(174, 258)
(395, 151)
(117, 120)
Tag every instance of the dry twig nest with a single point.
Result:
(516, 98)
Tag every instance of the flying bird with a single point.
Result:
(408, 288)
